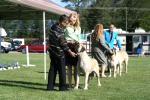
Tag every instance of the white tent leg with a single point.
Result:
(44, 32)
(28, 59)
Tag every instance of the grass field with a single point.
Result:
(29, 84)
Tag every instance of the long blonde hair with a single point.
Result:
(77, 24)
(98, 32)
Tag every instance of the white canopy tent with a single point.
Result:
(41, 5)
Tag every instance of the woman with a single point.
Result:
(73, 30)
(72, 35)
(99, 48)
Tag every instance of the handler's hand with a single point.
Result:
(72, 53)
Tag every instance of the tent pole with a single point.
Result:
(44, 32)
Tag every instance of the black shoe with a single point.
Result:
(64, 89)
(51, 89)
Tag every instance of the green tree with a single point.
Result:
(113, 11)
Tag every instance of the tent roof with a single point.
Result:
(45, 5)
(30, 9)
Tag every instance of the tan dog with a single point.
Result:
(88, 65)
(117, 60)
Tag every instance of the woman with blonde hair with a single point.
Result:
(100, 48)
(72, 35)
(73, 30)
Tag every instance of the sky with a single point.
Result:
(59, 2)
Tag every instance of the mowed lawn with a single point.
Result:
(29, 84)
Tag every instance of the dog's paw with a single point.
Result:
(76, 88)
(109, 76)
(103, 76)
(85, 88)
(114, 76)
(99, 85)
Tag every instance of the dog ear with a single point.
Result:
(82, 49)
(114, 51)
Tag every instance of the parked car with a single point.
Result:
(15, 45)
(5, 47)
(35, 46)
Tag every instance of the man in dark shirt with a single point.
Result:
(57, 48)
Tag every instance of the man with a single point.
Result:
(58, 47)
(111, 36)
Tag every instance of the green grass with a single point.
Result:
(29, 84)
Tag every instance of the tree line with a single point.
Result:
(125, 14)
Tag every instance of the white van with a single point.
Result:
(5, 47)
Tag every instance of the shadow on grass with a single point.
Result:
(41, 72)
(23, 84)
